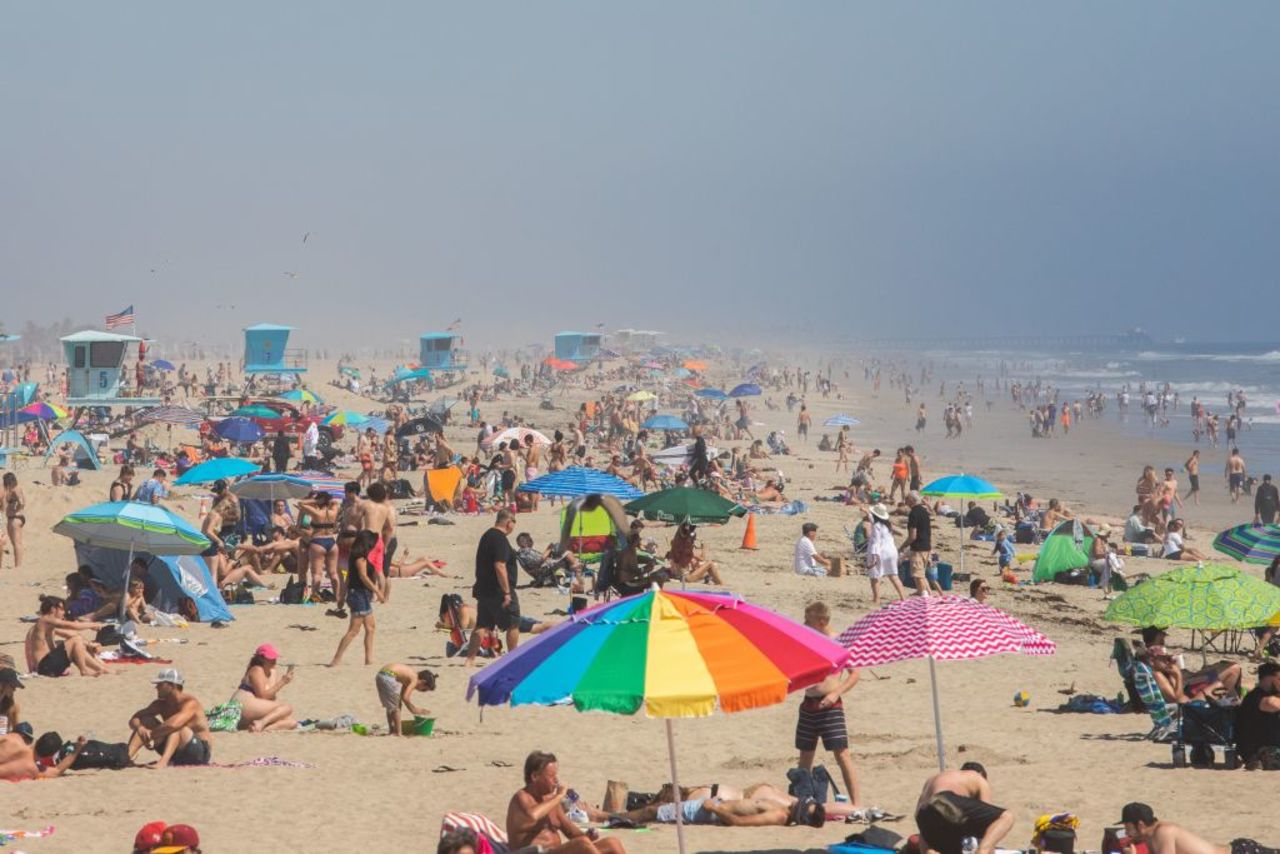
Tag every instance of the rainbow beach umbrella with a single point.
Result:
(41, 411)
(671, 654)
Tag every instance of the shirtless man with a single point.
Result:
(1192, 468)
(376, 514)
(1235, 474)
(955, 805)
(536, 816)
(173, 725)
(18, 757)
(760, 805)
(1165, 837)
(532, 463)
(822, 712)
(53, 644)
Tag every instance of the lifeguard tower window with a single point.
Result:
(102, 354)
(77, 359)
(439, 344)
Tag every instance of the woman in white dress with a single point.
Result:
(882, 553)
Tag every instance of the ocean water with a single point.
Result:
(1205, 370)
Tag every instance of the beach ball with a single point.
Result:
(1022, 699)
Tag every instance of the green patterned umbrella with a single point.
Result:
(1210, 597)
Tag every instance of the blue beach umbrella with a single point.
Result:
(962, 487)
(238, 429)
(745, 390)
(221, 468)
(841, 420)
(270, 487)
(163, 365)
(711, 394)
(132, 526)
(579, 480)
(664, 422)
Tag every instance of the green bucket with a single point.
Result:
(418, 726)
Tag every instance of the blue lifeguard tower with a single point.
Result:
(266, 351)
(577, 346)
(441, 351)
(96, 369)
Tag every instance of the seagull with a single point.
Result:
(291, 274)
(305, 236)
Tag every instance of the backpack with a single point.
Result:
(292, 593)
(101, 754)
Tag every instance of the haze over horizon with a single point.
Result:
(731, 172)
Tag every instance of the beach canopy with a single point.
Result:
(1065, 548)
(745, 390)
(711, 393)
(579, 480)
(514, 434)
(1209, 597)
(418, 426)
(238, 430)
(1250, 543)
(180, 415)
(664, 422)
(163, 365)
(348, 371)
(685, 504)
(939, 628)
(219, 468)
(85, 455)
(669, 654)
(841, 420)
(169, 579)
(132, 526)
(271, 487)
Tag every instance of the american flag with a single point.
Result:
(123, 318)
(453, 326)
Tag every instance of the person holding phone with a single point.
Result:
(258, 690)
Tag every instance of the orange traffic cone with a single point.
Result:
(749, 537)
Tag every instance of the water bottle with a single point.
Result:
(970, 845)
(4, 725)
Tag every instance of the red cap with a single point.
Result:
(182, 834)
(149, 836)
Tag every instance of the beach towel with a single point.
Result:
(259, 762)
(226, 717)
(7, 836)
(1093, 704)
(482, 826)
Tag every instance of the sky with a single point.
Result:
(724, 171)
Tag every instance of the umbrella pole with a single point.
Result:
(937, 716)
(675, 786)
(961, 540)
(124, 587)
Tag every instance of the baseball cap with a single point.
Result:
(267, 651)
(24, 729)
(1137, 812)
(9, 676)
(169, 674)
(178, 837)
(149, 836)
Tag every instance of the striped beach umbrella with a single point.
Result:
(301, 395)
(939, 628)
(270, 487)
(1250, 543)
(580, 480)
(668, 654)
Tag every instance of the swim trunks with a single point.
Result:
(948, 818)
(388, 690)
(194, 752)
(55, 662)
(696, 812)
(816, 721)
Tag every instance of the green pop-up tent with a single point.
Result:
(1065, 548)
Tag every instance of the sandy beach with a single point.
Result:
(1040, 761)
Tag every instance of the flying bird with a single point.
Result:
(291, 274)
(305, 236)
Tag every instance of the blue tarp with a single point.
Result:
(173, 577)
(579, 480)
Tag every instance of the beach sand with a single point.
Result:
(388, 794)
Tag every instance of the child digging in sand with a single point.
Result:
(396, 684)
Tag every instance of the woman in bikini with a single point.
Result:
(14, 503)
(323, 551)
(842, 449)
(257, 692)
(901, 475)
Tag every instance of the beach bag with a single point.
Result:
(101, 754)
(226, 717)
(615, 797)
(292, 593)
(109, 636)
(810, 783)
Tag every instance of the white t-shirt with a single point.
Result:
(1172, 542)
(805, 563)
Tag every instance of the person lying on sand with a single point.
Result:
(528, 625)
(1165, 837)
(419, 568)
(172, 725)
(396, 684)
(760, 805)
(536, 817)
(18, 758)
(53, 644)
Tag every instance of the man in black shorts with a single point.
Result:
(497, 606)
(956, 805)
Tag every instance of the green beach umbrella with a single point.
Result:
(1208, 597)
(685, 504)
(254, 410)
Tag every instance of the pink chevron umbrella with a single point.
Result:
(947, 628)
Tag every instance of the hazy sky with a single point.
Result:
(697, 167)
